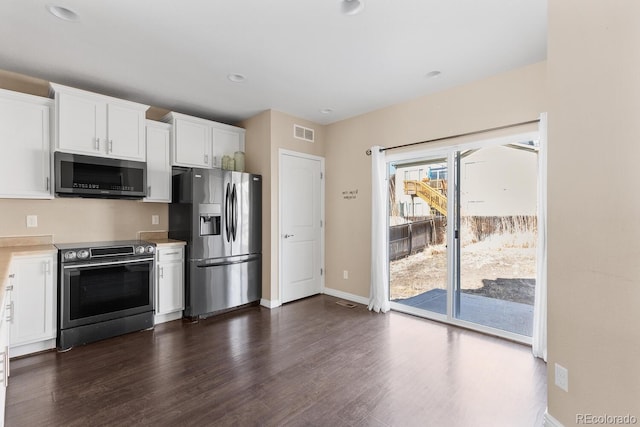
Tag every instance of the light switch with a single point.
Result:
(155, 219)
(32, 221)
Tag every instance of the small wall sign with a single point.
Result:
(349, 194)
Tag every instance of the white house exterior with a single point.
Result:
(494, 181)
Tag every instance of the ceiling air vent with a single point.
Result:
(301, 132)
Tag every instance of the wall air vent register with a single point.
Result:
(303, 133)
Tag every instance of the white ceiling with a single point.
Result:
(299, 56)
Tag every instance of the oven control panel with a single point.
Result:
(95, 251)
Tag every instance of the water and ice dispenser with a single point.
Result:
(210, 219)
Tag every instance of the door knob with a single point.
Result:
(286, 236)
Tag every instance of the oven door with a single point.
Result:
(99, 291)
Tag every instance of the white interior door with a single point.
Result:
(300, 226)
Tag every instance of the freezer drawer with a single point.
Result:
(215, 286)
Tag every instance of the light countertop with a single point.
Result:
(167, 242)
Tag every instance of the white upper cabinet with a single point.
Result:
(202, 143)
(98, 125)
(25, 163)
(158, 162)
(192, 143)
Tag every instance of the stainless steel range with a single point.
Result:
(104, 289)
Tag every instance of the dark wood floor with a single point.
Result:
(311, 362)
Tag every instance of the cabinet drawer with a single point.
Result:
(170, 254)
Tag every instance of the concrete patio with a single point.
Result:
(495, 313)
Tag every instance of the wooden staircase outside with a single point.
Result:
(429, 191)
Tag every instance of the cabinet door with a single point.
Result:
(32, 302)
(226, 142)
(125, 132)
(25, 169)
(4, 362)
(170, 287)
(158, 164)
(192, 144)
(81, 125)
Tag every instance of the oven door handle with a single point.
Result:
(100, 264)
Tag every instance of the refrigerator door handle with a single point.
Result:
(226, 261)
(227, 216)
(234, 210)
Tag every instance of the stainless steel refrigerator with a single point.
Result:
(219, 214)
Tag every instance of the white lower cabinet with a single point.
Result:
(169, 283)
(32, 304)
(4, 350)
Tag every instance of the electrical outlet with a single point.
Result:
(155, 219)
(345, 274)
(32, 221)
(562, 377)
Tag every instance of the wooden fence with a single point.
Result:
(406, 239)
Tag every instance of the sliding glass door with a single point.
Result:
(418, 234)
(463, 233)
(496, 219)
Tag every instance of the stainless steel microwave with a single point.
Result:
(88, 176)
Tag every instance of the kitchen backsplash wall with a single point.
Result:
(81, 220)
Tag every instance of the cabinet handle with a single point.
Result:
(48, 185)
(172, 253)
(97, 144)
(5, 365)
(206, 158)
(162, 272)
(4, 368)
(111, 146)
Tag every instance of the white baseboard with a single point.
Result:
(35, 347)
(549, 421)
(345, 295)
(270, 303)
(161, 318)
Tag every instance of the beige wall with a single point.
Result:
(258, 160)
(512, 97)
(81, 220)
(594, 206)
(266, 134)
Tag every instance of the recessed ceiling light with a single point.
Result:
(432, 74)
(351, 7)
(237, 78)
(326, 111)
(62, 13)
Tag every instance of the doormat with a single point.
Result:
(346, 304)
